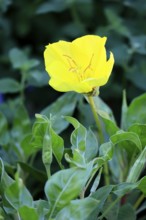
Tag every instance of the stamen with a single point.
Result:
(89, 65)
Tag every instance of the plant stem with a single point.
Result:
(106, 174)
(109, 208)
(93, 108)
(138, 202)
(101, 137)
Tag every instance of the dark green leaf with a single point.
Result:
(9, 85)
(101, 195)
(126, 212)
(63, 106)
(136, 111)
(128, 139)
(20, 60)
(51, 6)
(4, 135)
(140, 130)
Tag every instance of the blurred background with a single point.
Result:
(27, 26)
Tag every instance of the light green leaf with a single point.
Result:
(9, 85)
(96, 182)
(27, 212)
(64, 186)
(5, 180)
(57, 146)
(18, 195)
(45, 137)
(77, 159)
(106, 151)
(78, 136)
(78, 209)
(63, 106)
(137, 167)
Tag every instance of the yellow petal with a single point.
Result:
(59, 70)
(88, 49)
(65, 86)
(56, 51)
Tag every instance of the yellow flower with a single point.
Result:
(80, 65)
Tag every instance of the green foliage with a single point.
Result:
(52, 165)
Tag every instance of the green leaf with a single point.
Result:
(36, 174)
(57, 146)
(124, 111)
(42, 208)
(91, 145)
(64, 186)
(26, 145)
(26, 212)
(140, 130)
(21, 121)
(106, 114)
(9, 85)
(113, 211)
(46, 138)
(18, 195)
(4, 135)
(77, 159)
(96, 182)
(78, 209)
(101, 195)
(51, 6)
(136, 111)
(124, 188)
(106, 151)
(37, 78)
(137, 167)
(126, 212)
(20, 60)
(78, 136)
(63, 106)
(128, 139)
(103, 109)
(84, 143)
(5, 180)
(138, 44)
(141, 185)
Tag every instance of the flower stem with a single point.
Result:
(93, 108)
(139, 201)
(101, 137)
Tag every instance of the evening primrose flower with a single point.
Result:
(80, 65)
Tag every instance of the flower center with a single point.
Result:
(73, 67)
